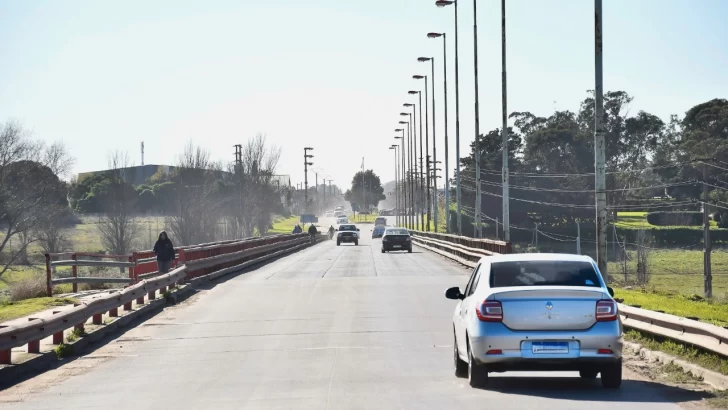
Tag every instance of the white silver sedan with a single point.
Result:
(535, 312)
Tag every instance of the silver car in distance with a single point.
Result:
(530, 312)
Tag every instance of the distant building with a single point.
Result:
(134, 176)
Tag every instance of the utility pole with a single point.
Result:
(707, 274)
(306, 164)
(479, 232)
(600, 173)
(316, 192)
(504, 132)
(578, 239)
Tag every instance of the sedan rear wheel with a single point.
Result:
(612, 375)
(383, 251)
(477, 374)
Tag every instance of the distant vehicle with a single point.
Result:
(339, 208)
(329, 214)
(378, 231)
(537, 311)
(380, 221)
(338, 214)
(342, 220)
(347, 234)
(396, 239)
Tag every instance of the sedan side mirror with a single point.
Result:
(357, 229)
(454, 293)
(611, 291)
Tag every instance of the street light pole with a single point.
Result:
(402, 191)
(434, 148)
(306, 164)
(408, 176)
(600, 183)
(504, 132)
(413, 117)
(395, 147)
(477, 124)
(427, 151)
(444, 3)
(447, 132)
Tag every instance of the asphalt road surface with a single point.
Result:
(326, 328)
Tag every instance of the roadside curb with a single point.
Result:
(48, 360)
(715, 379)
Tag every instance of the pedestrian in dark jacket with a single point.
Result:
(164, 251)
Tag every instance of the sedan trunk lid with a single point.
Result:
(549, 307)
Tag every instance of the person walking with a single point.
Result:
(164, 249)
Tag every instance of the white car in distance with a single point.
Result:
(342, 220)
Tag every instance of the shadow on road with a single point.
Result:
(571, 388)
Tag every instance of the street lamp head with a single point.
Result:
(413, 92)
(308, 148)
(424, 59)
(408, 105)
(404, 122)
(398, 137)
(418, 77)
(399, 130)
(404, 114)
(444, 3)
(434, 35)
(392, 147)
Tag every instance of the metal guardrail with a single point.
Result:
(143, 264)
(684, 330)
(36, 329)
(32, 332)
(500, 247)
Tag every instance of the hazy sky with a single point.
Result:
(331, 74)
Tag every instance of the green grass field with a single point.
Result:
(283, 225)
(677, 271)
(14, 310)
(638, 220)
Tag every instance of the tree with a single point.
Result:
(366, 190)
(197, 212)
(31, 191)
(118, 227)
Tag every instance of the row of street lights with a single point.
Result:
(599, 144)
(429, 176)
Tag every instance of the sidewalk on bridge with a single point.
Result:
(46, 345)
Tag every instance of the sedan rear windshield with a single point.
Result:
(396, 232)
(543, 273)
(347, 228)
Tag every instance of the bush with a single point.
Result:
(681, 218)
(27, 289)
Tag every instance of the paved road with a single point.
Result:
(327, 328)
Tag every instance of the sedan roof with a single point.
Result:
(523, 257)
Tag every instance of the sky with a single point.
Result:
(330, 74)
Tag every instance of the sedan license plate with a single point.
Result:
(550, 347)
(396, 246)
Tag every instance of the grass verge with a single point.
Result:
(14, 310)
(283, 225)
(708, 311)
(690, 354)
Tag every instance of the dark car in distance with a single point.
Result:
(378, 231)
(396, 239)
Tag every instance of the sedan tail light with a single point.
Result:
(606, 311)
(490, 311)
